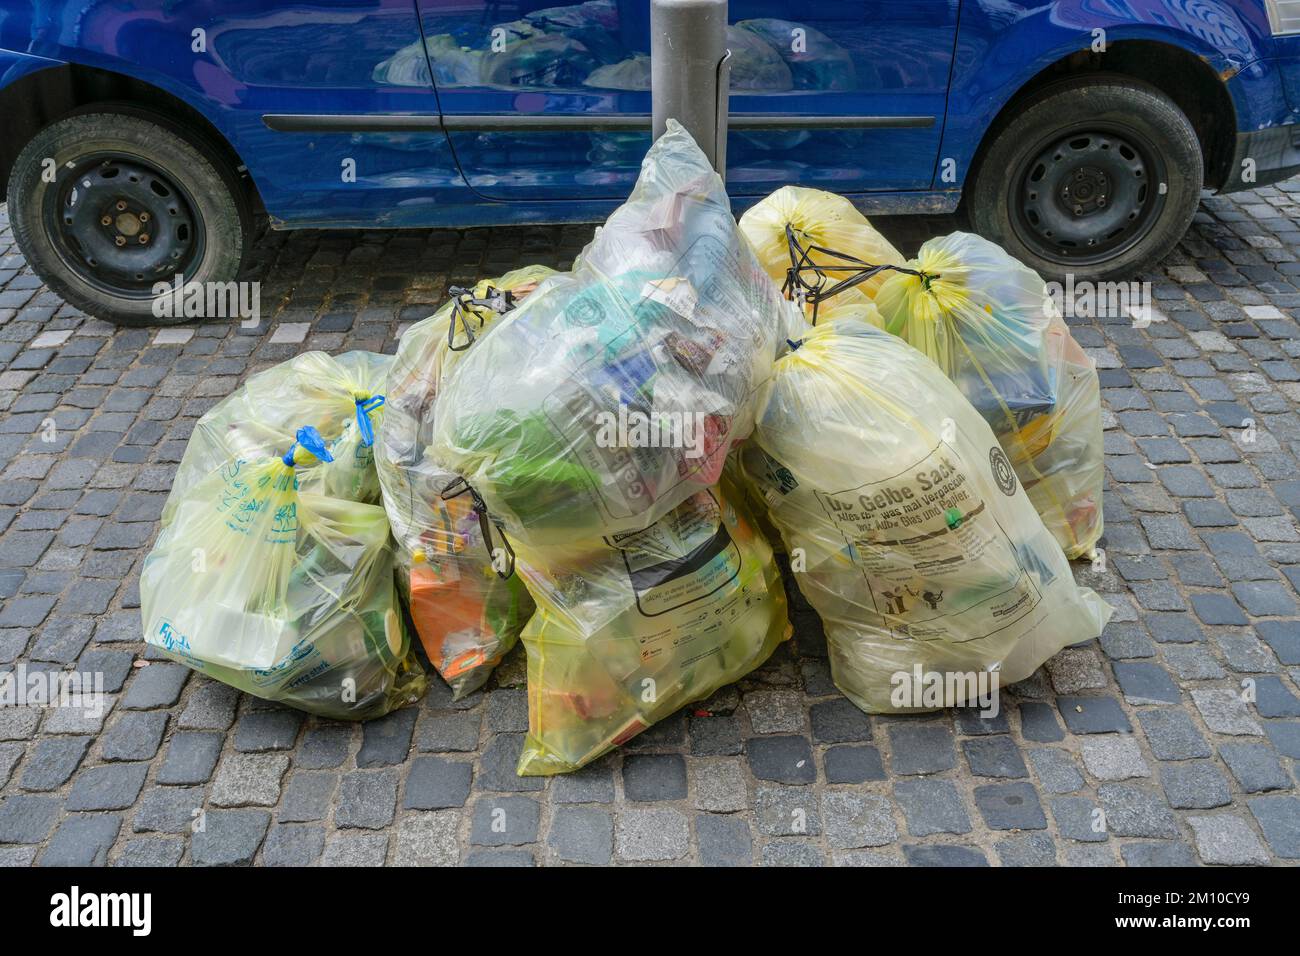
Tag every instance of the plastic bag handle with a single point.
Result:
(485, 523)
(365, 405)
(500, 301)
(796, 286)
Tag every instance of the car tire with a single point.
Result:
(1095, 176)
(85, 192)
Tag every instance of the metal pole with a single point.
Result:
(690, 71)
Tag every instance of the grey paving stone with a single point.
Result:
(847, 763)
(775, 711)
(582, 835)
(1038, 722)
(26, 818)
(994, 757)
(792, 853)
(448, 731)
(435, 783)
(249, 780)
(839, 721)
(158, 685)
(652, 777)
(715, 736)
(1093, 715)
(1195, 785)
(1172, 734)
(229, 837)
(151, 851)
(723, 840)
(323, 747)
(505, 821)
(1010, 806)
(1163, 854)
(786, 811)
(52, 762)
(945, 856)
(931, 806)
(593, 783)
(211, 706)
(1056, 770)
(169, 810)
(191, 758)
(110, 787)
(82, 840)
(366, 799)
(499, 858)
(1134, 811)
(1113, 757)
(720, 785)
(1227, 839)
(1224, 712)
(854, 820)
(293, 844)
(1033, 849)
(1079, 818)
(658, 833)
(307, 797)
(783, 759)
(921, 748)
(1255, 766)
(1279, 817)
(265, 729)
(428, 839)
(497, 766)
(387, 740)
(1144, 682)
(355, 849)
(134, 736)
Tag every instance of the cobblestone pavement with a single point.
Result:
(1182, 723)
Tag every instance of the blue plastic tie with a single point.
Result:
(794, 346)
(364, 407)
(310, 439)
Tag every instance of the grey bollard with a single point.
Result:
(690, 72)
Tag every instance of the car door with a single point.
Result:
(552, 102)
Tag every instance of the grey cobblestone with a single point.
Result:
(1150, 733)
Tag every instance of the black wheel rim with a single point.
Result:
(1087, 194)
(122, 225)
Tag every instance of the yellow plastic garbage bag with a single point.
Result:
(828, 227)
(614, 392)
(283, 593)
(907, 528)
(991, 325)
(341, 396)
(466, 614)
(630, 628)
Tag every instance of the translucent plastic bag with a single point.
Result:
(990, 324)
(467, 616)
(828, 226)
(917, 544)
(614, 392)
(341, 396)
(631, 628)
(282, 593)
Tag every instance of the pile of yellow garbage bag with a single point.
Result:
(920, 548)
(599, 463)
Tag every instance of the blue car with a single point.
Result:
(143, 139)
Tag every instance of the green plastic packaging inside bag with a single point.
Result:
(916, 542)
(341, 396)
(283, 593)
